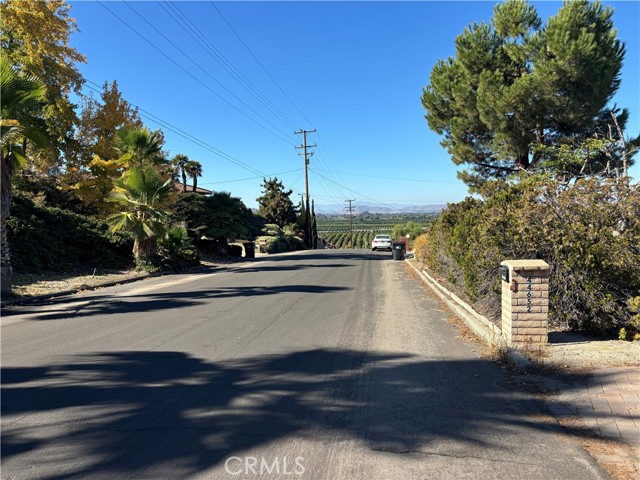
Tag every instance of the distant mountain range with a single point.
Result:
(359, 208)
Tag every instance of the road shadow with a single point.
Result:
(91, 305)
(135, 414)
(286, 268)
(329, 254)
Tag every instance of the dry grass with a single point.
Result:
(29, 285)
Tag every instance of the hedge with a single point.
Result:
(589, 233)
(52, 239)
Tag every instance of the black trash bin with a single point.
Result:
(249, 249)
(397, 248)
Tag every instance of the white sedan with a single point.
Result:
(381, 241)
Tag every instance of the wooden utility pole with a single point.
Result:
(351, 219)
(306, 159)
(307, 219)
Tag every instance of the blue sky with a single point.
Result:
(352, 70)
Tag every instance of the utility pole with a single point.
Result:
(351, 219)
(306, 159)
(307, 220)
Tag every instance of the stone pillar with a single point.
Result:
(525, 301)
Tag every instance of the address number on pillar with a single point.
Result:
(529, 294)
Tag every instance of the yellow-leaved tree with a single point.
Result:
(34, 38)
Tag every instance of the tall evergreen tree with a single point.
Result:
(275, 204)
(301, 215)
(314, 227)
(516, 84)
(308, 241)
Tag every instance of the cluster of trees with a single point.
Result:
(526, 108)
(98, 159)
(277, 208)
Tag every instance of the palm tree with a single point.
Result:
(194, 170)
(19, 95)
(180, 162)
(141, 146)
(143, 193)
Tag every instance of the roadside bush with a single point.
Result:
(410, 228)
(295, 243)
(589, 233)
(51, 239)
(278, 240)
(632, 331)
(274, 244)
(176, 250)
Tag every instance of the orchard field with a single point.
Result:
(336, 231)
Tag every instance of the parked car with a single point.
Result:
(381, 242)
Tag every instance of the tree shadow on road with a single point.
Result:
(137, 414)
(91, 305)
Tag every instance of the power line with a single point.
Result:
(197, 64)
(334, 186)
(353, 191)
(260, 63)
(253, 178)
(193, 139)
(188, 136)
(195, 33)
(192, 75)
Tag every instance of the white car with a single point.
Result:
(381, 241)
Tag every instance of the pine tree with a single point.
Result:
(275, 204)
(515, 85)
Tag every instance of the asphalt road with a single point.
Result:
(321, 365)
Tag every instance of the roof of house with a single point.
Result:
(203, 191)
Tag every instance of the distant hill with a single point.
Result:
(337, 209)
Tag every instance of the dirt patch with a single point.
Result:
(30, 285)
(575, 351)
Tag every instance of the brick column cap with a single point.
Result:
(525, 264)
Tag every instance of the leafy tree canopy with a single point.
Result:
(101, 119)
(34, 38)
(220, 216)
(275, 204)
(516, 84)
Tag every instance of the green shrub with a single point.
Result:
(272, 230)
(274, 244)
(410, 228)
(589, 233)
(51, 239)
(295, 243)
(632, 332)
(279, 240)
(176, 250)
